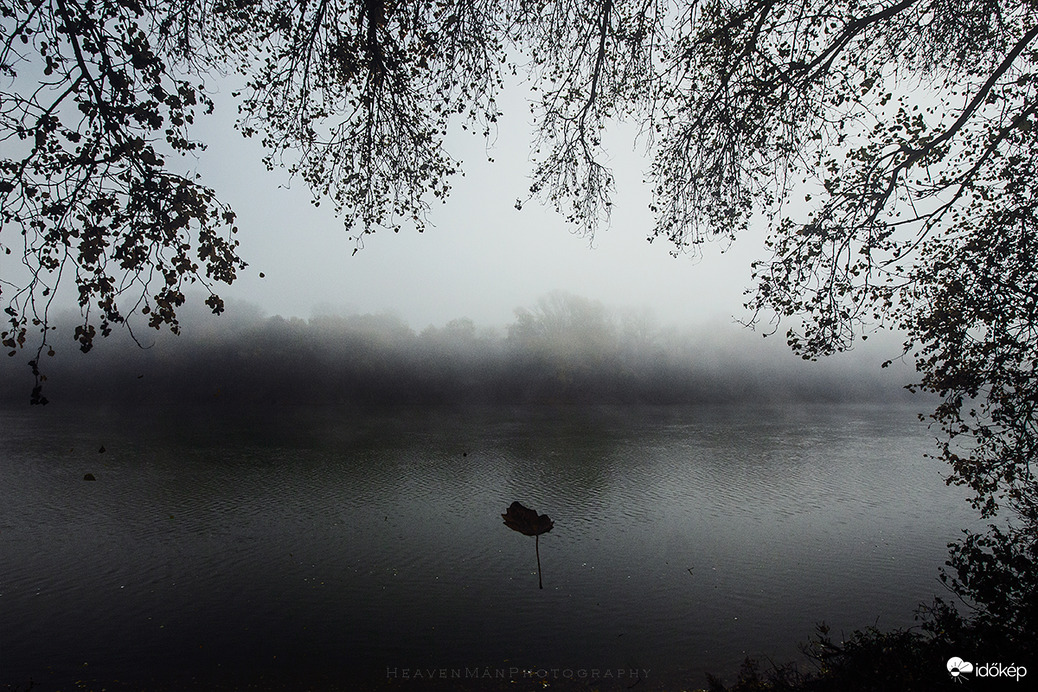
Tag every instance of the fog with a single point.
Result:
(560, 349)
(479, 256)
(462, 312)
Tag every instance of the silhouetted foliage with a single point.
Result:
(901, 659)
(907, 127)
(866, 660)
(997, 573)
(96, 97)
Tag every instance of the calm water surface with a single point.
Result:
(340, 545)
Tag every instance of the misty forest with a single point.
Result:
(831, 490)
(564, 349)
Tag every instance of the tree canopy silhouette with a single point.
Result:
(889, 146)
(96, 97)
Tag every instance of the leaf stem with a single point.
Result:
(537, 549)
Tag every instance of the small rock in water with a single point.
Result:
(89, 477)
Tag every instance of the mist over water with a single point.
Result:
(285, 499)
(562, 349)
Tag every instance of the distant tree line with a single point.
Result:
(564, 349)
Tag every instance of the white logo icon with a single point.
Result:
(956, 666)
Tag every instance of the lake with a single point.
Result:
(340, 546)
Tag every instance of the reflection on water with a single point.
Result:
(333, 545)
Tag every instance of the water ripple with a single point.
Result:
(679, 533)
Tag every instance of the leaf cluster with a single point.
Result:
(91, 109)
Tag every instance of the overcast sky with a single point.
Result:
(480, 257)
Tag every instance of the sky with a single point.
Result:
(479, 257)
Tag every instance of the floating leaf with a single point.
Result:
(527, 522)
